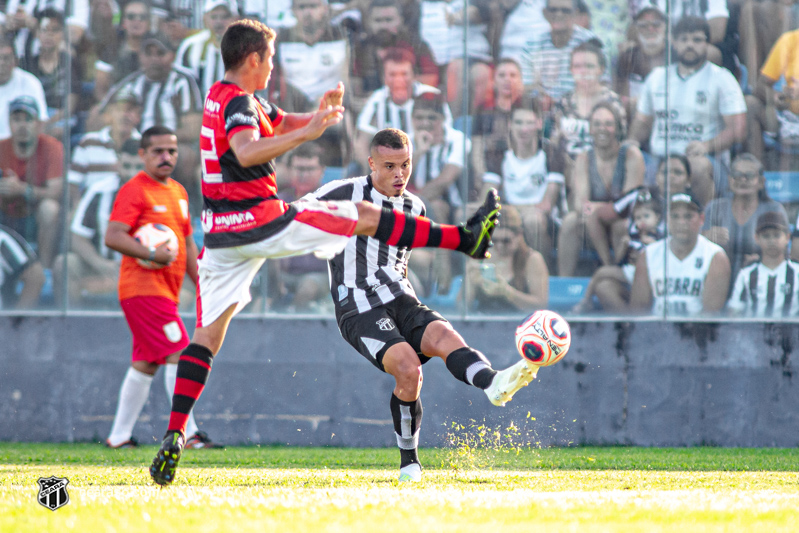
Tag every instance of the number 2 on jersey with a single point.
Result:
(212, 172)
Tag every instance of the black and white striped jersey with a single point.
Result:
(200, 55)
(93, 212)
(15, 256)
(380, 111)
(368, 273)
(164, 103)
(762, 292)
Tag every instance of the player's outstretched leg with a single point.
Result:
(507, 382)
(166, 460)
(473, 238)
(472, 367)
(407, 418)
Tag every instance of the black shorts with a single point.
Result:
(403, 320)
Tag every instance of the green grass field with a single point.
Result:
(464, 489)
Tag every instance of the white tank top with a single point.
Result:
(678, 285)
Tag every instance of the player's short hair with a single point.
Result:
(130, 147)
(308, 150)
(242, 38)
(153, 131)
(390, 138)
(592, 46)
(690, 25)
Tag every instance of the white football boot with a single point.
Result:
(411, 473)
(510, 380)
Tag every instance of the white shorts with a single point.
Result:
(225, 274)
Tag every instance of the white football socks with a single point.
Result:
(132, 397)
(170, 376)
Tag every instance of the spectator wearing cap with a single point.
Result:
(635, 63)
(694, 278)
(200, 53)
(730, 222)
(121, 57)
(170, 97)
(49, 65)
(768, 288)
(391, 105)
(95, 156)
(30, 187)
(15, 82)
(546, 57)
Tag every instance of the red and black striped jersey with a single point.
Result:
(240, 204)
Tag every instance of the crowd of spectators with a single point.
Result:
(576, 110)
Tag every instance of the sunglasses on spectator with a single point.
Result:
(561, 10)
(655, 25)
(752, 176)
(136, 16)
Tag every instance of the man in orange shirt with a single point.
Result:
(149, 298)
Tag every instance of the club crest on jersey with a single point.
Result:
(699, 262)
(701, 97)
(53, 492)
(385, 324)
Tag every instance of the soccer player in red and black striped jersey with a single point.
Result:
(245, 223)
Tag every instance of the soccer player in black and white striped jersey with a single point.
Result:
(18, 263)
(768, 287)
(379, 314)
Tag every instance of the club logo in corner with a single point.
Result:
(53, 492)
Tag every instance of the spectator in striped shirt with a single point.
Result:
(391, 105)
(92, 267)
(767, 288)
(18, 264)
(546, 57)
(171, 98)
(200, 53)
(95, 157)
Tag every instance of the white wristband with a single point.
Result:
(152, 253)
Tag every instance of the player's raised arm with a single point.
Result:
(252, 149)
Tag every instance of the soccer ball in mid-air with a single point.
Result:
(543, 338)
(155, 235)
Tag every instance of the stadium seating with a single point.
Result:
(783, 186)
(565, 293)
